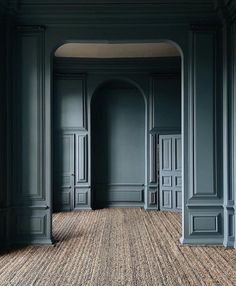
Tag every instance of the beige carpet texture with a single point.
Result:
(129, 247)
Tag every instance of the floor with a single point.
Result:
(118, 247)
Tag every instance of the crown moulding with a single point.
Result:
(74, 12)
(53, 11)
(57, 6)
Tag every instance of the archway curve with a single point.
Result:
(132, 82)
(117, 148)
(150, 41)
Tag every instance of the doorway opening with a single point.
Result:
(117, 126)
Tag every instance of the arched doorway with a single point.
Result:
(117, 145)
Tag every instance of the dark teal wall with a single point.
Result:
(232, 218)
(167, 102)
(229, 119)
(118, 144)
(3, 189)
(192, 25)
(123, 171)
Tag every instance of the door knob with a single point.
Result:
(72, 174)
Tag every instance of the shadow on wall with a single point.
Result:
(118, 145)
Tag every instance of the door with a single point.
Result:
(170, 172)
(64, 172)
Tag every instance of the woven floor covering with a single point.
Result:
(118, 247)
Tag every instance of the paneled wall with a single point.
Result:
(208, 213)
(29, 200)
(118, 145)
(71, 185)
(230, 124)
(164, 118)
(75, 85)
(3, 211)
(229, 133)
(204, 199)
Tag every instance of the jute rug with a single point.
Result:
(118, 247)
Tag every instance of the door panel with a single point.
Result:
(170, 172)
(64, 172)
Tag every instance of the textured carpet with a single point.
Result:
(118, 247)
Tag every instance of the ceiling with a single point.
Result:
(115, 50)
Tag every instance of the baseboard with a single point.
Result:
(201, 241)
(119, 205)
(228, 243)
(46, 241)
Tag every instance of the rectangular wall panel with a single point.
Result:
(178, 200)
(166, 199)
(81, 159)
(153, 160)
(203, 223)
(152, 198)
(204, 148)
(166, 97)
(166, 154)
(130, 194)
(29, 117)
(70, 102)
(30, 219)
(231, 227)
(82, 198)
(64, 168)
(31, 226)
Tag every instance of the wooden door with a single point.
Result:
(64, 172)
(170, 172)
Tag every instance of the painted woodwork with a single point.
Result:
(68, 70)
(205, 188)
(118, 145)
(208, 204)
(30, 201)
(170, 172)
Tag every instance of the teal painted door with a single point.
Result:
(64, 173)
(170, 172)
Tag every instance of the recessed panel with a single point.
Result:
(29, 114)
(178, 154)
(81, 157)
(178, 181)
(166, 181)
(231, 225)
(178, 199)
(166, 199)
(66, 153)
(31, 225)
(69, 98)
(152, 197)
(81, 197)
(204, 223)
(204, 114)
(166, 154)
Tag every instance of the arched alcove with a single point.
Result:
(118, 145)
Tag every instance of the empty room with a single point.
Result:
(118, 142)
